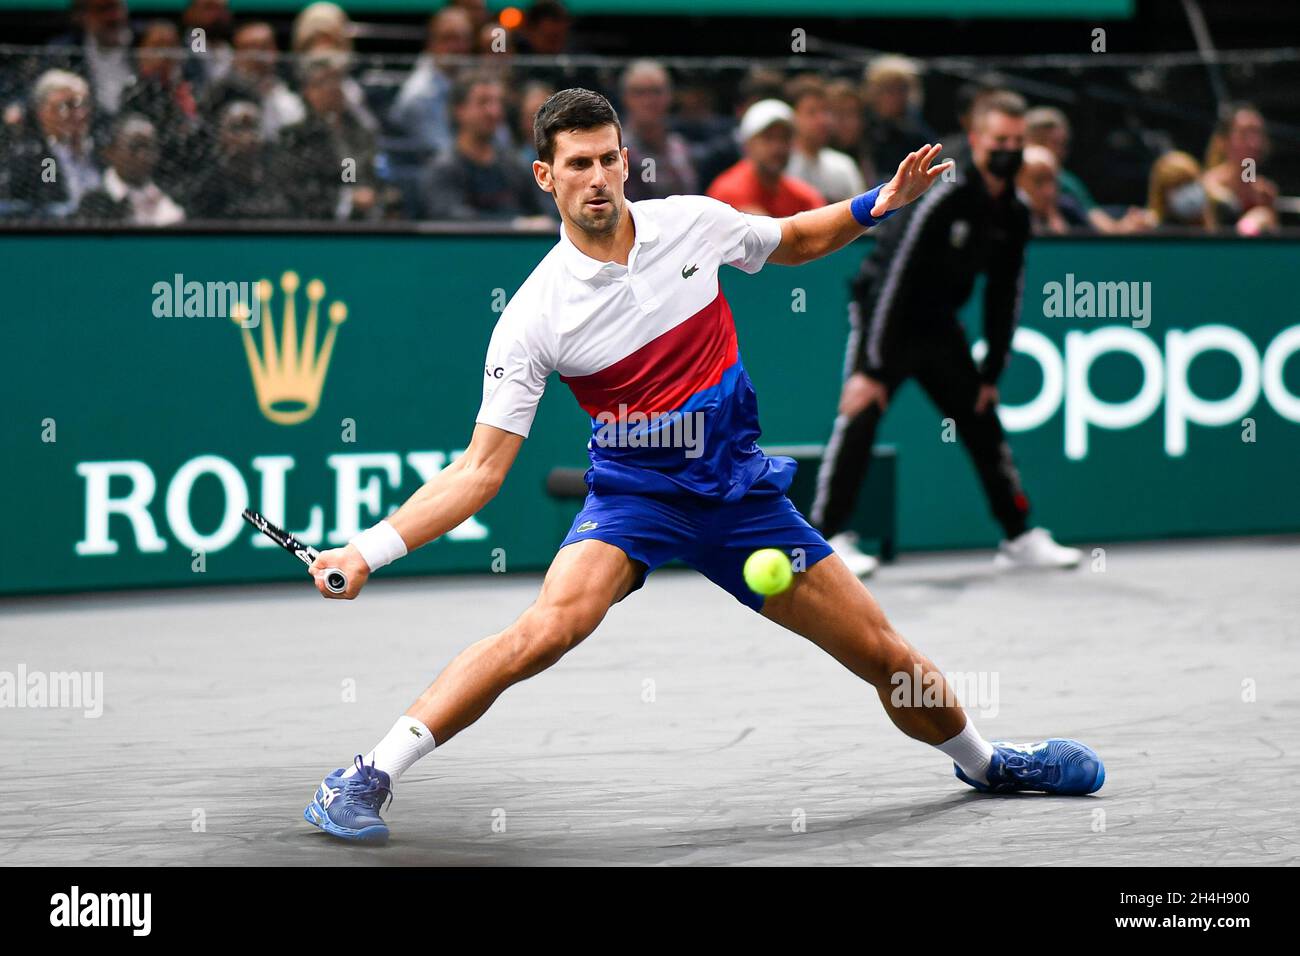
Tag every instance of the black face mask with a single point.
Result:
(1005, 163)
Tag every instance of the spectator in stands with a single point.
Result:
(759, 182)
(102, 33)
(534, 95)
(475, 178)
(1176, 196)
(1239, 196)
(323, 27)
(659, 161)
(1050, 213)
(163, 96)
(894, 123)
(724, 150)
(544, 33)
(1048, 127)
(323, 23)
(492, 39)
(695, 115)
(51, 171)
(969, 97)
(849, 126)
(207, 29)
(254, 76)
(128, 193)
(241, 179)
(329, 156)
(480, 21)
(545, 30)
(421, 111)
(832, 173)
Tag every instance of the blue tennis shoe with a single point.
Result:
(348, 807)
(1057, 765)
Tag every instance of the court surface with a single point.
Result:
(687, 730)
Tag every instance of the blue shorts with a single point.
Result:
(712, 537)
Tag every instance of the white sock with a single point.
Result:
(407, 742)
(969, 751)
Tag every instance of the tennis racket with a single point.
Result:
(335, 580)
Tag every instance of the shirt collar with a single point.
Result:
(584, 267)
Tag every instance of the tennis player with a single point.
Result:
(628, 309)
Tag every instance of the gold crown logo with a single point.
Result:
(288, 376)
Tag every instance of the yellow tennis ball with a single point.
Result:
(768, 572)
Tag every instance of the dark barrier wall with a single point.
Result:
(134, 434)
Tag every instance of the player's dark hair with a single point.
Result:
(569, 111)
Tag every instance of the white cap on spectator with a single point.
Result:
(763, 114)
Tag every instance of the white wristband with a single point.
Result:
(379, 545)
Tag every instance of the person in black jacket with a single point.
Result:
(474, 178)
(903, 317)
(55, 160)
(328, 157)
(242, 179)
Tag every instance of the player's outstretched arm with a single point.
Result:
(819, 232)
(451, 496)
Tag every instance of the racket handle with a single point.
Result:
(336, 581)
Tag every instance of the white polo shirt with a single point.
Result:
(654, 337)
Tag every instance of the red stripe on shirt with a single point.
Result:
(662, 374)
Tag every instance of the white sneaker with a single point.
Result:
(845, 544)
(1035, 548)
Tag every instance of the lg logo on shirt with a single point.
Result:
(491, 372)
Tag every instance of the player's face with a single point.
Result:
(587, 178)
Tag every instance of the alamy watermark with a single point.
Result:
(75, 908)
(1084, 299)
(625, 429)
(973, 689)
(82, 690)
(183, 298)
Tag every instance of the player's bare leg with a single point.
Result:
(583, 582)
(829, 606)
(832, 608)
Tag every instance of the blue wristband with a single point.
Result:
(861, 208)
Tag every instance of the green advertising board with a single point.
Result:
(134, 435)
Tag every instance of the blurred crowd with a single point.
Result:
(207, 118)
